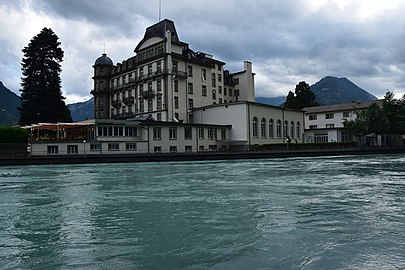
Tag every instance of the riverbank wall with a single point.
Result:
(199, 156)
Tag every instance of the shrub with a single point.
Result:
(13, 135)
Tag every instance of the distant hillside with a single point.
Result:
(332, 90)
(329, 90)
(9, 102)
(276, 101)
(82, 110)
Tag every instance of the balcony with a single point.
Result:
(129, 100)
(100, 90)
(116, 103)
(148, 94)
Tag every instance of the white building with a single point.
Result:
(168, 98)
(326, 123)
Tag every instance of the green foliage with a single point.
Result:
(302, 98)
(41, 97)
(387, 118)
(13, 135)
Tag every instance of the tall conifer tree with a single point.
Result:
(41, 97)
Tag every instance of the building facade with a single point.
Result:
(166, 80)
(326, 123)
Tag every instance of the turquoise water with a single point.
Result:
(295, 213)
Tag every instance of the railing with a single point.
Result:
(148, 93)
(129, 100)
(116, 103)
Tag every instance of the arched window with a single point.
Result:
(255, 127)
(263, 127)
(278, 128)
(292, 129)
(298, 130)
(285, 128)
(271, 128)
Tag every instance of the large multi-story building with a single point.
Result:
(169, 98)
(166, 80)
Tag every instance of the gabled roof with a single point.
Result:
(355, 105)
(159, 30)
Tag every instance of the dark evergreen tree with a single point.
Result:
(303, 97)
(41, 97)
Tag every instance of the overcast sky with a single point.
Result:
(287, 41)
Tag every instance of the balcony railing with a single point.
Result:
(116, 103)
(129, 100)
(148, 94)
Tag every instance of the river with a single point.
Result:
(293, 213)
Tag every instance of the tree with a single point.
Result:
(41, 97)
(303, 97)
(387, 118)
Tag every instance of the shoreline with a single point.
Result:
(199, 156)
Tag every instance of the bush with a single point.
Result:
(13, 135)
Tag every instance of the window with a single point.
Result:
(176, 85)
(131, 131)
(131, 147)
(190, 88)
(236, 81)
(201, 133)
(278, 128)
(159, 117)
(286, 128)
(190, 103)
(298, 130)
(271, 128)
(159, 85)
(201, 148)
(263, 128)
(159, 102)
(346, 137)
(204, 90)
(113, 147)
(141, 106)
(173, 133)
(329, 116)
(173, 149)
(313, 117)
(313, 126)
(230, 92)
(157, 149)
(176, 102)
(223, 134)
(220, 100)
(321, 137)
(174, 66)
(157, 133)
(72, 149)
(52, 149)
(219, 77)
(330, 125)
(203, 74)
(212, 147)
(189, 148)
(214, 94)
(347, 114)
(214, 82)
(190, 71)
(225, 92)
(255, 127)
(188, 133)
(150, 105)
(292, 129)
(149, 70)
(95, 147)
(212, 133)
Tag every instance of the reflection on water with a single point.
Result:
(296, 213)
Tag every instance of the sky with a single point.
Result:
(287, 41)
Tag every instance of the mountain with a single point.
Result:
(9, 102)
(328, 91)
(331, 90)
(82, 110)
(276, 101)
